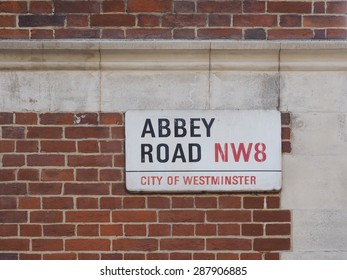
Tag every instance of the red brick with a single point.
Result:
(158, 202)
(77, 21)
(337, 7)
(29, 202)
(91, 146)
(254, 202)
(157, 256)
(148, 20)
(184, 7)
(88, 230)
(183, 230)
(203, 256)
(229, 244)
(325, 21)
(58, 146)
(15, 7)
(57, 203)
(182, 216)
(14, 34)
(271, 216)
(87, 174)
(86, 189)
(134, 202)
(255, 33)
(59, 230)
(177, 20)
(57, 175)
(7, 175)
(278, 229)
(26, 118)
(77, 33)
(41, 34)
(45, 188)
(219, 20)
(87, 245)
(228, 216)
(5, 118)
(110, 175)
(285, 118)
(205, 230)
(252, 230)
(28, 175)
(286, 133)
(272, 202)
(74, 7)
(6, 146)
(144, 33)
(182, 244)
(319, 34)
(13, 132)
(27, 146)
(46, 217)
(113, 6)
(112, 256)
(87, 216)
(8, 202)
(227, 256)
(219, 33)
(45, 160)
(271, 244)
(272, 256)
(31, 230)
(112, 20)
(134, 256)
(86, 118)
(159, 230)
(336, 34)
(253, 6)
(8, 256)
(87, 132)
(87, 256)
(134, 216)
(151, 6)
(8, 217)
(119, 189)
(286, 147)
(184, 33)
(45, 132)
(14, 244)
(113, 34)
(111, 118)
(278, 34)
(255, 20)
(111, 230)
(290, 21)
(47, 244)
(206, 202)
(40, 20)
(319, 8)
(182, 202)
(119, 161)
(87, 203)
(135, 230)
(219, 7)
(8, 230)
(30, 256)
(59, 256)
(251, 256)
(110, 203)
(40, 7)
(228, 229)
(289, 7)
(7, 21)
(181, 256)
(12, 160)
(12, 189)
(90, 161)
(56, 118)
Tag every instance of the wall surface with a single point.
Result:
(174, 19)
(62, 155)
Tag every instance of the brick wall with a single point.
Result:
(62, 196)
(169, 19)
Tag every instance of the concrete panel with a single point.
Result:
(319, 133)
(314, 91)
(122, 91)
(314, 182)
(319, 230)
(49, 91)
(244, 90)
(314, 255)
